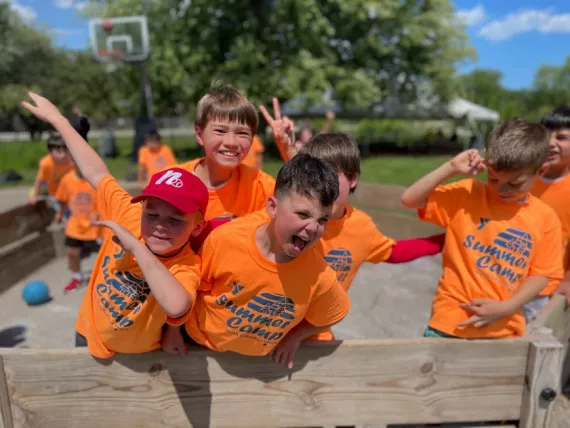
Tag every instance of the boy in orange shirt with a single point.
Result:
(80, 232)
(153, 157)
(265, 287)
(146, 275)
(52, 167)
(502, 244)
(553, 187)
(225, 125)
(351, 237)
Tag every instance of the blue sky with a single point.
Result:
(513, 36)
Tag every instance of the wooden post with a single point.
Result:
(542, 382)
(5, 409)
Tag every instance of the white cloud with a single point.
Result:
(65, 32)
(472, 17)
(80, 5)
(525, 21)
(27, 13)
(63, 4)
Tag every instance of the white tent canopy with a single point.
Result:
(460, 107)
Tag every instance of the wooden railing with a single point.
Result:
(336, 383)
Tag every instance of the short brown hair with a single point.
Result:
(224, 102)
(518, 144)
(338, 149)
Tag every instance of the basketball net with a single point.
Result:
(111, 58)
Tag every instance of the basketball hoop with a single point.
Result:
(111, 58)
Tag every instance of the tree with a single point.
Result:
(30, 61)
(365, 50)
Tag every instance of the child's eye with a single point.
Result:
(323, 221)
(176, 220)
(151, 215)
(303, 215)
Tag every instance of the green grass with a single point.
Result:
(23, 156)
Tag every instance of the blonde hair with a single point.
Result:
(224, 102)
(518, 144)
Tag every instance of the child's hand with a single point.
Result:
(172, 341)
(285, 350)
(486, 311)
(123, 237)
(43, 108)
(282, 128)
(468, 162)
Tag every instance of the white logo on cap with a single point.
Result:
(171, 178)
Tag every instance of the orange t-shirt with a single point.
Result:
(246, 191)
(490, 249)
(155, 161)
(346, 244)
(247, 303)
(80, 197)
(119, 313)
(51, 174)
(256, 148)
(556, 194)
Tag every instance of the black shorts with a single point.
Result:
(80, 340)
(77, 243)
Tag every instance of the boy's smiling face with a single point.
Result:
(225, 142)
(299, 222)
(165, 228)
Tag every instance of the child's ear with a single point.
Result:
(271, 206)
(198, 132)
(199, 228)
(353, 182)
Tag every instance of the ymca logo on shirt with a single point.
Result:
(121, 296)
(340, 260)
(263, 318)
(506, 259)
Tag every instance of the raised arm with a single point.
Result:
(87, 160)
(468, 162)
(283, 131)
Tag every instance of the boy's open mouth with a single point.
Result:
(299, 243)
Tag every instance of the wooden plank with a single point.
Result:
(351, 383)
(33, 252)
(24, 220)
(542, 374)
(560, 413)
(555, 317)
(5, 409)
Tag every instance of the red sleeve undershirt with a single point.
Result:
(407, 250)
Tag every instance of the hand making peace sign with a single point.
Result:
(283, 130)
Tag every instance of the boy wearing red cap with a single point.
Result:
(146, 275)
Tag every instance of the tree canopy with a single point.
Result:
(364, 50)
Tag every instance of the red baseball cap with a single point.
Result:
(179, 188)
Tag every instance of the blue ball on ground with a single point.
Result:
(36, 293)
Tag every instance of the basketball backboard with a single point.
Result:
(120, 39)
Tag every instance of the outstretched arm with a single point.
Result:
(87, 160)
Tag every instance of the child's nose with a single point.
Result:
(230, 139)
